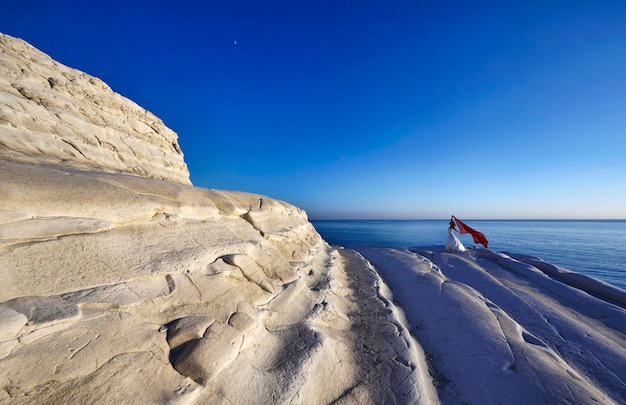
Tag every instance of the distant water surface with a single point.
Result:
(595, 248)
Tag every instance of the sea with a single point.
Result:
(593, 247)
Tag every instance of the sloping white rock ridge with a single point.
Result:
(51, 114)
(500, 328)
(122, 283)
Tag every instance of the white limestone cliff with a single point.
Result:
(122, 283)
(55, 115)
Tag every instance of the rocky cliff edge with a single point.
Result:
(122, 283)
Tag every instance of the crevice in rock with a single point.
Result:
(171, 284)
(75, 147)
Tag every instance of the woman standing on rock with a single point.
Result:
(453, 244)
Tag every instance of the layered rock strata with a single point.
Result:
(122, 283)
(55, 115)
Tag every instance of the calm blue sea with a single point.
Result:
(596, 248)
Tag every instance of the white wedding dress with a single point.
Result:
(453, 244)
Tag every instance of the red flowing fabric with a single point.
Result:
(478, 237)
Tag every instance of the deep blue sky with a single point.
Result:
(371, 109)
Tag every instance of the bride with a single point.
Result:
(453, 244)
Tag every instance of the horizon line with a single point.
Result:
(468, 219)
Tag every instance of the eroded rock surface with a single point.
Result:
(55, 115)
(182, 282)
(118, 288)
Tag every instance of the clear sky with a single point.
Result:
(370, 109)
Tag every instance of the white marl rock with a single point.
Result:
(55, 115)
